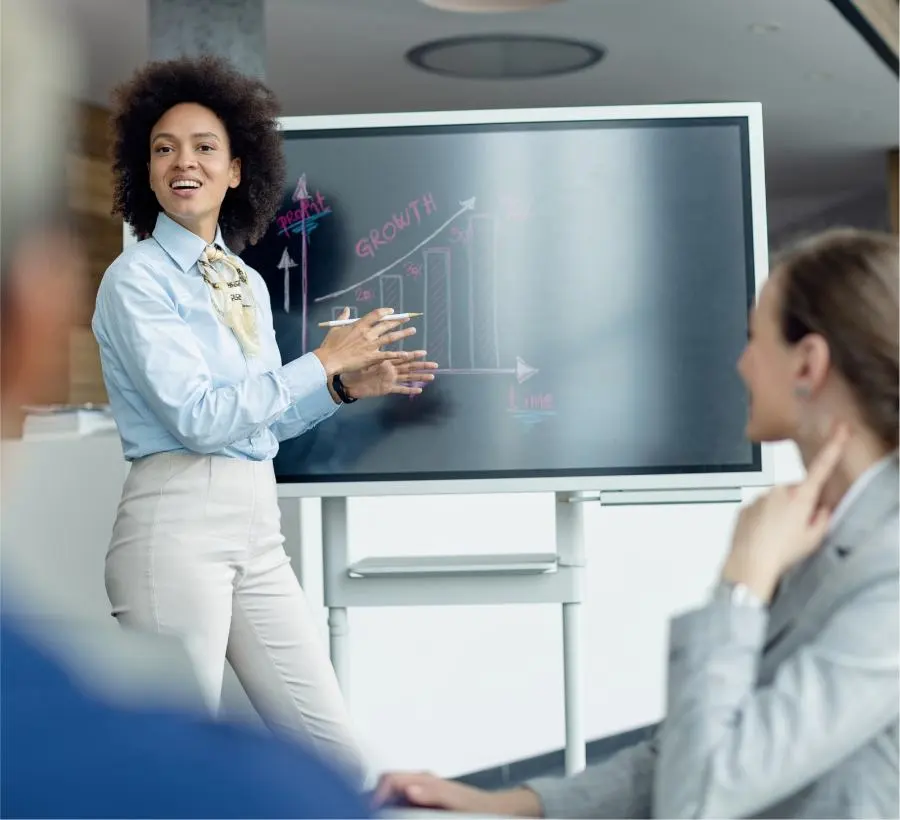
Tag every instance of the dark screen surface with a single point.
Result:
(585, 287)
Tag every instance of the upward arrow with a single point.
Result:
(286, 264)
(300, 192)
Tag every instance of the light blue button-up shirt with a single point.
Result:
(177, 377)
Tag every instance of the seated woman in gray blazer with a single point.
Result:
(783, 691)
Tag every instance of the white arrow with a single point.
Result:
(286, 264)
(467, 205)
(300, 192)
(522, 371)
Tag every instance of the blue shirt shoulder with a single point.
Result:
(66, 754)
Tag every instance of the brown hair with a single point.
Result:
(843, 285)
(248, 110)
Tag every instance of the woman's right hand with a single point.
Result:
(356, 346)
(429, 791)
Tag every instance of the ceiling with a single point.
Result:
(830, 103)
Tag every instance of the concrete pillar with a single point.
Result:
(233, 29)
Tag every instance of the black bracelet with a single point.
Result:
(341, 390)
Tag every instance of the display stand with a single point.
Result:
(545, 578)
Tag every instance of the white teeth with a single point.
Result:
(185, 183)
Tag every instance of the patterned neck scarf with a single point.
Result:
(232, 296)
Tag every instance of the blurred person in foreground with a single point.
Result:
(65, 752)
(783, 690)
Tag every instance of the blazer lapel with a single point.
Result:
(820, 572)
(796, 589)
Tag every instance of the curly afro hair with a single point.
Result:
(248, 110)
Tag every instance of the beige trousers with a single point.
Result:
(197, 551)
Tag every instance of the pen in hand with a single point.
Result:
(389, 318)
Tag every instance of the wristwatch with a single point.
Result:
(341, 389)
(738, 595)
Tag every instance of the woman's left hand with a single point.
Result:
(782, 527)
(406, 376)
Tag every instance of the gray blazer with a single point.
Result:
(790, 712)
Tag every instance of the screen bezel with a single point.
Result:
(750, 116)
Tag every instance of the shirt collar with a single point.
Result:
(856, 489)
(182, 245)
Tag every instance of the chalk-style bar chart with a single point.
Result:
(436, 321)
(392, 296)
(484, 335)
(457, 294)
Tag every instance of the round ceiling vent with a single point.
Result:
(505, 56)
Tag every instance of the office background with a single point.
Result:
(461, 690)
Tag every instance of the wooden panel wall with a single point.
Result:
(884, 17)
(90, 199)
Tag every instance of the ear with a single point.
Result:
(149, 176)
(812, 364)
(235, 173)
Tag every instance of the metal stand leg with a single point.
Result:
(334, 565)
(570, 547)
(574, 696)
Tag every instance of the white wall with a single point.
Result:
(452, 689)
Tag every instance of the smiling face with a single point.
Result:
(191, 167)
